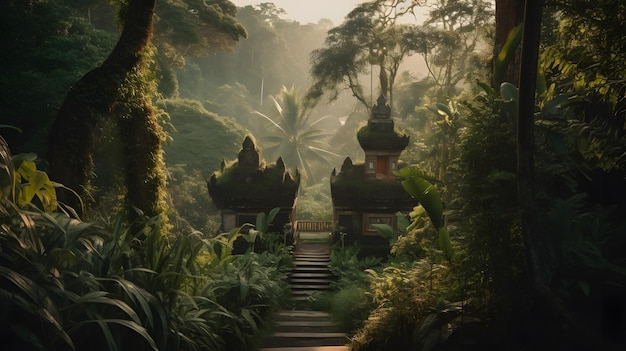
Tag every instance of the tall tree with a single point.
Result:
(190, 29)
(368, 37)
(46, 48)
(118, 92)
(449, 41)
(73, 138)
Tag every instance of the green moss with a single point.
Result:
(199, 139)
(359, 191)
(381, 140)
(264, 183)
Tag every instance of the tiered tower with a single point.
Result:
(369, 193)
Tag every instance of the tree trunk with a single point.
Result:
(525, 141)
(143, 166)
(73, 136)
(509, 13)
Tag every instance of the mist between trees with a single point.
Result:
(126, 105)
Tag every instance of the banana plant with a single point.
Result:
(388, 232)
(449, 114)
(507, 53)
(21, 181)
(262, 227)
(420, 186)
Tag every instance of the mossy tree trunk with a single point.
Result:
(143, 165)
(101, 94)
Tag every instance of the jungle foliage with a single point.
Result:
(112, 285)
(457, 273)
(480, 293)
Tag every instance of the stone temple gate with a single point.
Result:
(363, 193)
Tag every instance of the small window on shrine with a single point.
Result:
(371, 165)
(393, 165)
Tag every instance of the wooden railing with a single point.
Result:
(311, 226)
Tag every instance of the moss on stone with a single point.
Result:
(371, 139)
(356, 191)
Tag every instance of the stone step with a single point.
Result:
(309, 335)
(311, 268)
(304, 292)
(307, 330)
(321, 283)
(305, 348)
(325, 255)
(311, 263)
(292, 339)
(311, 275)
(313, 257)
(317, 252)
(309, 287)
(306, 323)
(299, 314)
(301, 329)
(307, 269)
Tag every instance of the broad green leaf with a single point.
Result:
(507, 53)
(138, 296)
(488, 89)
(541, 85)
(63, 257)
(444, 110)
(103, 323)
(418, 187)
(24, 166)
(403, 222)
(272, 214)
(7, 178)
(386, 231)
(25, 285)
(261, 222)
(413, 171)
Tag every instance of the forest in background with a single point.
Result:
(218, 84)
(209, 87)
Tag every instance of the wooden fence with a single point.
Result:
(311, 226)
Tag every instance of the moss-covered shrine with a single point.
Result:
(369, 193)
(249, 186)
(363, 194)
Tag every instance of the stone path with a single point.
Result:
(300, 330)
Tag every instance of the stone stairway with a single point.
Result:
(310, 273)
(301, 330)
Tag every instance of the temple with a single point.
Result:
(369, 193)
(249, 186)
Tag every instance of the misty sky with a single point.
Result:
(309, 11)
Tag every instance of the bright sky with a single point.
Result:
(309, 11)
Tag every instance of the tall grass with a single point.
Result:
(66, 284)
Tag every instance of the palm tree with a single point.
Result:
(297, 140)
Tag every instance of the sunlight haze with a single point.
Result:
(305, 11)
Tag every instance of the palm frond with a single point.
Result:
(323, 151)
(278, 126)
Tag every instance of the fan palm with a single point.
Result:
(297, 140)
